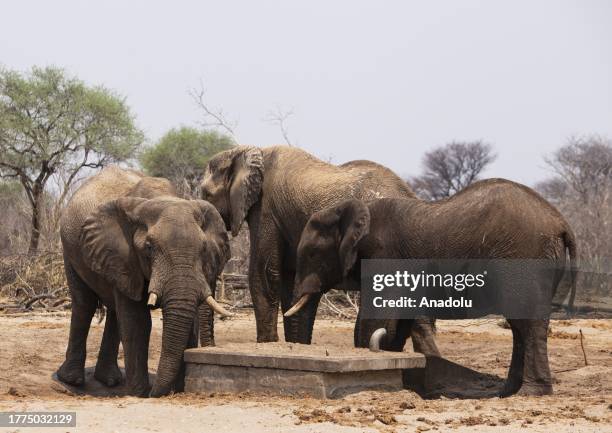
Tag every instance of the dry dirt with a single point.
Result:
(32, 347)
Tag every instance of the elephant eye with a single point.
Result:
(148, 247)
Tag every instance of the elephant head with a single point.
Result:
(232, 183)
(167, 249)
(327, 250)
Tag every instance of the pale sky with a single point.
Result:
(378, 80)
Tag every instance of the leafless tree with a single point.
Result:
(450, 168)
(278, 117)
(212, 118)
(582, 190)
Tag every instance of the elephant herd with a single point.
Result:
(131, 244)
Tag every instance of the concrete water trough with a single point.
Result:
(295, 369)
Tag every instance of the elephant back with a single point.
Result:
(110, 183)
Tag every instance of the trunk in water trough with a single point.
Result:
(178, 323)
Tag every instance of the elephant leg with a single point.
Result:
(265, 253)
(134, 321)
(286, 284)
(400, 333)
(515, 373)
(84, 303)
(364, 328)
(422, 331)
(537, 379)
(107, 370)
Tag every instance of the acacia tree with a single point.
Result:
(450, 168)
(181, 154)
(52, 124)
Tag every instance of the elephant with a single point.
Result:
(131, 244)
(276, 189)
(490, 219)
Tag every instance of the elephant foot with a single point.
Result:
(71, 375)
(160, 391)
(535, 389)
(143, 391)
(108, 374)
(267, 339)
(511, 387)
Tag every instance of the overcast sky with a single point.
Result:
(377, 80)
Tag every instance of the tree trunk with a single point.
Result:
(35, 234)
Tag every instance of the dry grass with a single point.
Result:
(33, 281)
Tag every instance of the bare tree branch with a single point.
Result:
(278, 117)
(212, 118)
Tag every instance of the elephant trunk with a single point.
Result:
(178, 317)
(299, 326)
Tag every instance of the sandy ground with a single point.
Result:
(32, 347)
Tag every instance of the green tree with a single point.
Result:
(181, 154)
(52, 124)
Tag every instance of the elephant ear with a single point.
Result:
(106, 239)
(245, 184)
(354, 224)
(216, 250)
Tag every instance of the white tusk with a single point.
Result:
(375, 339)
(217, 307)
(298, 305)
(152, 299)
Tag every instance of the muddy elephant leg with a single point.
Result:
(422, 331)
(537, 379)
(515, 372)
(107, 370)
(134, 321)
(84, 303)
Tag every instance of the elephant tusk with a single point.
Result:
(375, 339)
(152, 302)
(217, 307)
(298, 305)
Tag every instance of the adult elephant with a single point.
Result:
(276, 189)
(128, 238)
(492, 219)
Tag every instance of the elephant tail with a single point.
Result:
(569, 241)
